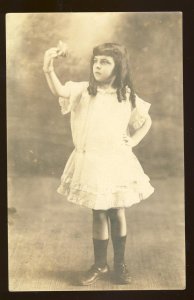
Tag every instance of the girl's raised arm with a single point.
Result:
(53, 82)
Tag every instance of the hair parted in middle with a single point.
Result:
(123, 79)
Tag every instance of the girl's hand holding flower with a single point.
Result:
(54, 52)
(62, 49)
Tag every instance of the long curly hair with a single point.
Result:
(123, 79)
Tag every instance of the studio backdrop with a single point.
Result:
(39, 139)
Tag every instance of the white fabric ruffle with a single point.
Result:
(102, 172)
(106, 187)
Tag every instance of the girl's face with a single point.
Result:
(103, 68)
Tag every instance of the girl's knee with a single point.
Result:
(100, 216)
(117, 214)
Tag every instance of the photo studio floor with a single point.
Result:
(50, 241)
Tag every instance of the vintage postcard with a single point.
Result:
(95, 151)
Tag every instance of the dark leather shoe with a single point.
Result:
(94, 274)
(121, 274)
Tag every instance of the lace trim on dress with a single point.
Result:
(105, 201)
(135, 186)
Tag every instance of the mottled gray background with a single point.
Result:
(50, 240)
(39, 139)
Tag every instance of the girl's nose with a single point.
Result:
(98, 66)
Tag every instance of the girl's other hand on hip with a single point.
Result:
(128, 141)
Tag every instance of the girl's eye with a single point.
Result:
(102, 62)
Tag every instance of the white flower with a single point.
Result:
(62, 48)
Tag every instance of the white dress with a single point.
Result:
(102, 172)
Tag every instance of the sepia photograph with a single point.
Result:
(95, 151)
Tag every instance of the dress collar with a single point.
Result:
(106, 91)
(111, 90)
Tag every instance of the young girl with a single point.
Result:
(107, 120)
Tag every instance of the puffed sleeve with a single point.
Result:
(72, 94)
(139, 113)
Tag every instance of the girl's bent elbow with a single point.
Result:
(148, 123)
(149, 120)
